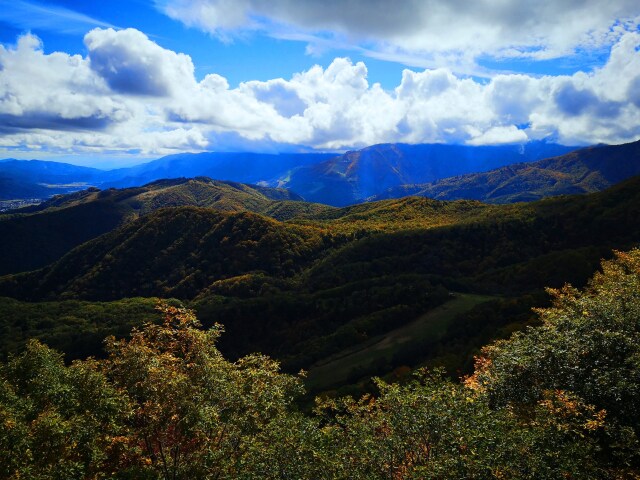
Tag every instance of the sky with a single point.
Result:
(118, 82)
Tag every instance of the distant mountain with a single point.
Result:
(42, 179)
(582, 171)
(357, 175)
(35, 236)
(21, 179)
(252, 168)
(319, 177)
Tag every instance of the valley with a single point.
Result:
(304, 282)
(319, 240)
(354, 296)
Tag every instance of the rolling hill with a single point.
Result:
(304, 289)
(175, 252)
(459, 239)
(583, 171)
(38, 235)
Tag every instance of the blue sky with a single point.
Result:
(252, 56)
(121, 81)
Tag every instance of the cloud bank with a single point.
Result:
(442, 31)
(128, 94)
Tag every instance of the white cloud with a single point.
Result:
(132, 64)
(408, 29)
(31, 15)
(498, 135)
(130, 94)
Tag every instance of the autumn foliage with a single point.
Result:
(555, 401)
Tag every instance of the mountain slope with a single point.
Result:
(354, 176)
(583, 171)
(175, 252)
(181, 251)
(35, 236)
(395, 214)
(511, 248)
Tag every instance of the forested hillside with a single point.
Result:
(56, 226)
(556, 401)
(323, 286)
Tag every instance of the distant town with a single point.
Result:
(6, 205)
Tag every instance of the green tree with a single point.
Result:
(57, 422)
(587, 348)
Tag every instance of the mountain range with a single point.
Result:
(499, 174)
(21, 179)
(582, 171)
(326, 279)
(304, 281)
(357, 175)
(38, 235)
(329, 178)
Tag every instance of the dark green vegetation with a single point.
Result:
(35, 236)
(324, 283)
(583, 171)
(557, 401)
(381, 351)
(75, 327)
(381, 288)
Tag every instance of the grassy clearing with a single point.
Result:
(337, 368)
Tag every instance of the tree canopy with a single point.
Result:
(555, 401)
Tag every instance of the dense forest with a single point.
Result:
(323, 284)
(555, 401)
(385, 306)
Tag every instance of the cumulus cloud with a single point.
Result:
(541, 29)
(52, 88)
(499, 135)
(128, 94)
(130, 63)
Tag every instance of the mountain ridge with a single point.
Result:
(330, 178)
(357, 175)
(585, 170)
(61, 223)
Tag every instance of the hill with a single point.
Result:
(583, 171)
(305, 289)
(378, 282)
(35, 236)
(173, 252)
(357, 175)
